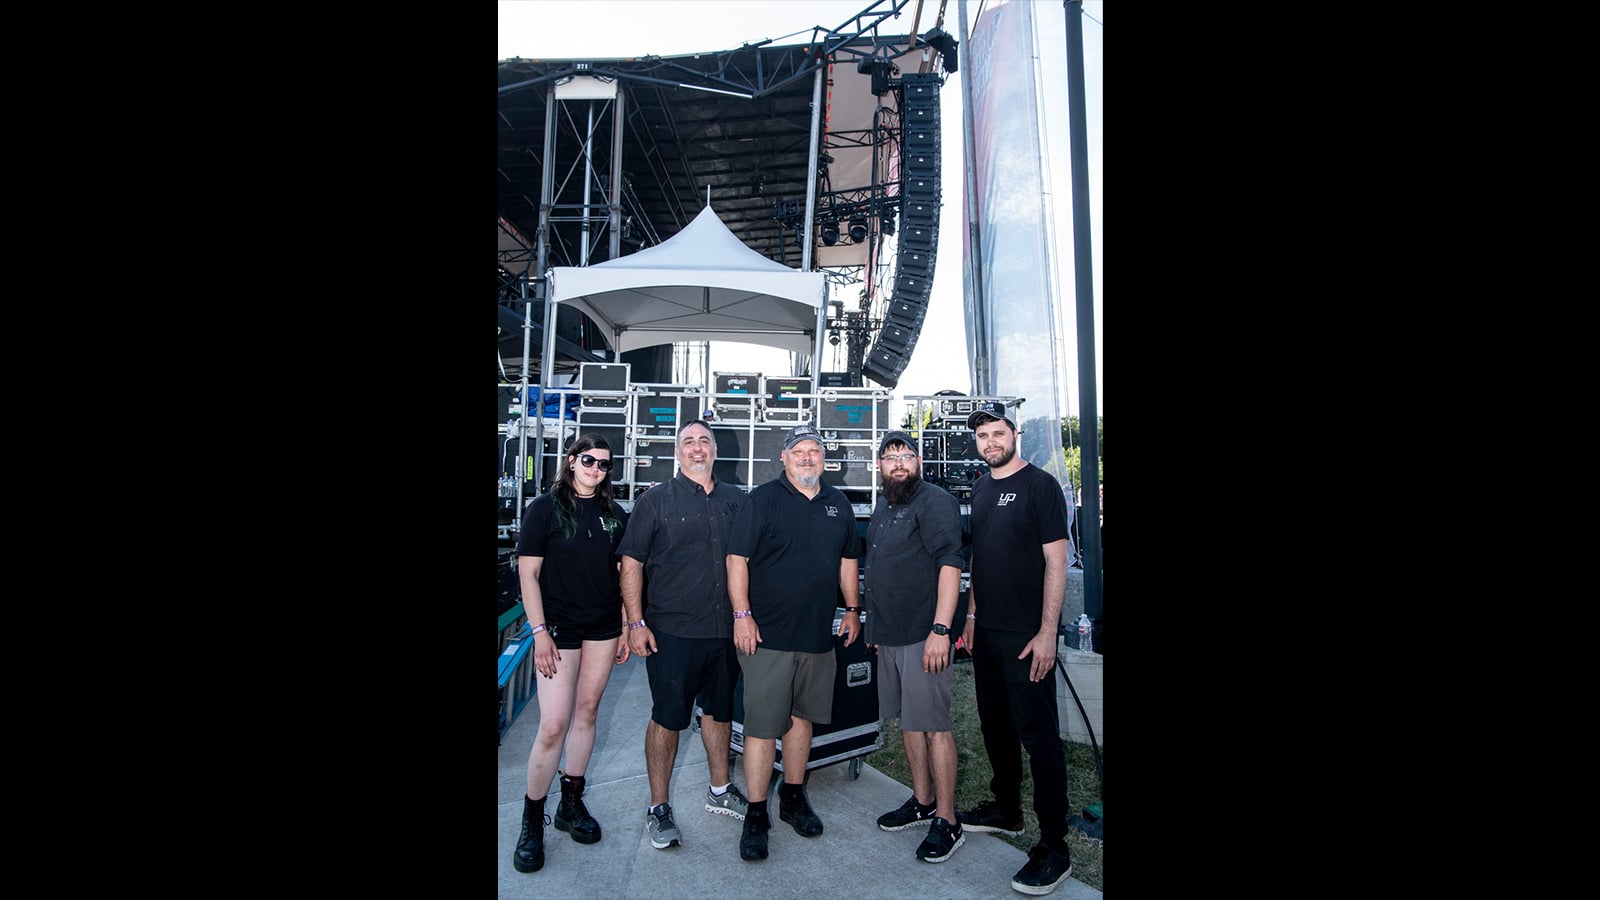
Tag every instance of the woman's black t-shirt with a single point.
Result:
(578, 581)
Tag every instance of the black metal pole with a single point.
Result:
(1083, 264)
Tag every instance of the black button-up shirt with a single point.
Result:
(907, 545)
(680, 534)
(795, 545)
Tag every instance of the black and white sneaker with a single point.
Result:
(910, 813)
(943, 840)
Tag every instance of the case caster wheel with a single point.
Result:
(855, 768)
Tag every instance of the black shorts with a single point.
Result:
(571, 637)
(683, 670)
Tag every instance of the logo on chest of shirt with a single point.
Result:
(1006, 498)
(833, 511)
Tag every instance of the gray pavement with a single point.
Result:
(852, 857)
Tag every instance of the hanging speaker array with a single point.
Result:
(918, 230)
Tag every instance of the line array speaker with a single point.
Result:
(919, 229)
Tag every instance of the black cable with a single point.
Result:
(1098, 769)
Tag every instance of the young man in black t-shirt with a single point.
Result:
(1019, 576)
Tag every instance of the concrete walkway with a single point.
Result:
(851, 858)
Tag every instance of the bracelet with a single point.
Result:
(636, 625)
(852, 609)
(972, 617)
(536, 629)
(741, 613)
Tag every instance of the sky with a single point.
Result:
(567, 29)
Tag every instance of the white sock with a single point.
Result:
(719, 791)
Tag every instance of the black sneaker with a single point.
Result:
(797, 812)
(910, 813)
(988, 817)
(753, 843)
(1045, 870)
(942, 841)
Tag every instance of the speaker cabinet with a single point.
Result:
(906, 313)
(897, 338)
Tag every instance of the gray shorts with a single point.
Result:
(922, 701)
(781, 683)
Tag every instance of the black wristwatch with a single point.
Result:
(940, 629)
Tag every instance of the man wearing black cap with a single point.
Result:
(1019, 576)
(913, 580)
(792, 550)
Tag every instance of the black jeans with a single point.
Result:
(1016, 713)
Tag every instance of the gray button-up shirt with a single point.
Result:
(906, 547)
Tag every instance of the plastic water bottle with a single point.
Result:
(1085, 633)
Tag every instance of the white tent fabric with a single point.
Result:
(702, 284)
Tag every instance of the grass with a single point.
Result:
(973, 774)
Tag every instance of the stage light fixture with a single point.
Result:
(830, 232)
(880, 70)
(858, 229)
(833, 338)
(886, 223)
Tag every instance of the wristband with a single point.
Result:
(741, 613)
(852, 609)
(536, 629)
(633, 626)
(972, 617)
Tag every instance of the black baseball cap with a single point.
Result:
(900, 436)
(802, 432)
(993, 409)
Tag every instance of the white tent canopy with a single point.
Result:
(702, 284)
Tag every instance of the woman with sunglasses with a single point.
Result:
(568, 564)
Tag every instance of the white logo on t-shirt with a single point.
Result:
(1006, 498)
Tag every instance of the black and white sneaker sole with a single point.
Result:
(712, 807)
(953, 848)
(923, 822)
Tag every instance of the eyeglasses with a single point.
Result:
(590, 461)
(899, 457)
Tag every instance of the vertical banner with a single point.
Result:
(1015, 261)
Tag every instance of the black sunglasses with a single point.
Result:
(589, 462)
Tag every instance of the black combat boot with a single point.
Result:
(571, 816)
(530, 846)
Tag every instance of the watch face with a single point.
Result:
(940, 629)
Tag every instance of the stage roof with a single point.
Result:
(684, 131)
(736, 122)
